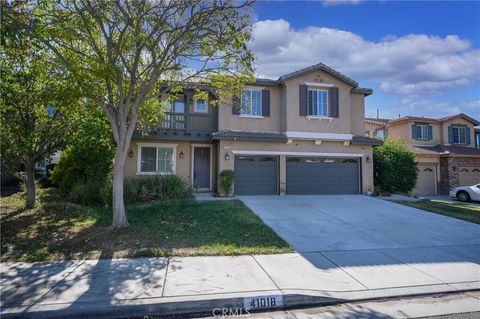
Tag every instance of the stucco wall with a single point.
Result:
(295, 122)
(272, 123)
(183, 165)
(297, 146)
(357, 111)
(370, 128)
(459, 121)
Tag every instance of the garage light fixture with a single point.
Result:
(181, 154)
(227, 157)
(368, 159)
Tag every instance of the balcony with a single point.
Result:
(183, 126)
(191, 122)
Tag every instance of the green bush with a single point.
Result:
(148, 188)
(226, 181)
(86, 193)
(89, 154)
(395, 168)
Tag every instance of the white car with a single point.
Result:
(466, 193)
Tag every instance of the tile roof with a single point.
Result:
(316, 67)
(443, 149)
(375, 120)
(365, 140)
(365, 91)
(250, 136)
(465, 116)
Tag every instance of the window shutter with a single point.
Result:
(334, 111)
(430, 132)
(236, 105)
(450, 135)
(303, 100)
(467, 135)
(266, 102)
(414, 131)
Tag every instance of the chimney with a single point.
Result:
(378, 114)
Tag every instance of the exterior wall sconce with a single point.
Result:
(181, 154)
(368, 159)
(130, 153)
(227, 157)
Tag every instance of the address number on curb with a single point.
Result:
(263, 302)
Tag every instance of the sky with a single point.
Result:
(420, 58)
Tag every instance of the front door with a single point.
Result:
(201, 167)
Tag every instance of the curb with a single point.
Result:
(156, 308)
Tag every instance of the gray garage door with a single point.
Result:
(320, 175)
(256, 175)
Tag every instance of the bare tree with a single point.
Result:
(119, 52)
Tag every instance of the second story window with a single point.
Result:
(177, 106)
(201, 106)
(422, 132)
(251, 102)
(318, 102)
(459, 135)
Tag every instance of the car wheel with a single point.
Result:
(463, 196)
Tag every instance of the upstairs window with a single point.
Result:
(251, 102)
(459, 135)
(201, 106)
(177, 106)
(318, 102)
(423, 132)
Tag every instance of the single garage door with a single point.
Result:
(320, 175)
(426, 181)
(256, 175)
(469, 176)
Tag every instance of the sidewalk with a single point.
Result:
(197, 285)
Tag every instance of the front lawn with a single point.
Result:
(470, 213)
(57, 230)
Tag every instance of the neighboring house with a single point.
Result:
(477, 137)
(302, 133)
(445, 149)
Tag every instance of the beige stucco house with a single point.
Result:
(302, 133)
(445, 148)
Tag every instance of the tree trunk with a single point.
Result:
(118, 205)
(30, 184)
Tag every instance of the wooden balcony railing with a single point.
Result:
(189, 122)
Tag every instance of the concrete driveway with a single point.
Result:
(356, 222)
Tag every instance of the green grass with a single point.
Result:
(57, 230)
(470, 213)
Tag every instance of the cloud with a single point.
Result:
(410, 64)
(331, 3)
(416, 106)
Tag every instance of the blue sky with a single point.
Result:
(421, 58)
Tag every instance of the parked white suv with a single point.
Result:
(466, 193)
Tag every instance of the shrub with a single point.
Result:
(148, 188)
(395, 168)
(226, 181)
(86, 193)
(88, 155)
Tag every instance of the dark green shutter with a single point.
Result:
(334, 105)
(414, 131)
(303, 100)
(430, 132)
(467, 135)
(450, 135)
(265, 102)
(236, 105)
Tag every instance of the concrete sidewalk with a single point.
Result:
(197, 285)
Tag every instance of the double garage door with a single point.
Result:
(469, 176)
(259, 175)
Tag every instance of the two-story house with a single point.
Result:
(302, 133)
(445, 149)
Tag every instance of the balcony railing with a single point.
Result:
(189, 122)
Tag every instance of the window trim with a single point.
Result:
(421, 132)
(326, 116)
(156, 145)
(196, 110)
(458, 127)
(251, 99)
